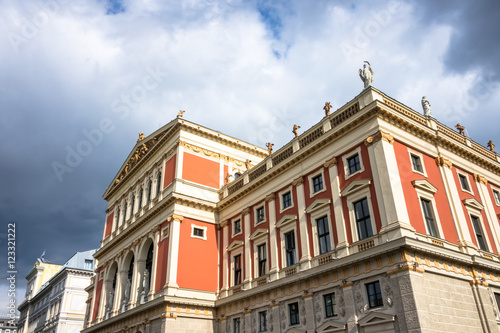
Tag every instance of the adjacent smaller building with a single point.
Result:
(8, 325)
(55, 299)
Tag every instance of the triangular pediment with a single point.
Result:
(473, 203)
(355, 186)
(375, 318)
(259, 233)
(331, 326)
(295, 330)
(286, 220)
(234, 245)
(424, 185)
(317, 204)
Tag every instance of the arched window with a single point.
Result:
(149, 264)
(158, 184)
(132, 205)
(141, 192)
(148, 194)
(128, 283)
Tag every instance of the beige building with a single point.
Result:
(58, 305)
(376, 219)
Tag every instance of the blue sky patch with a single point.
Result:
(271, 18)
(114, 7)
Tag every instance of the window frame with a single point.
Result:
(263, 323)
(234, 270)
(204, 229)
(280, 196)
(328, 234)
(353, 197)
(256, 213)
(475, 208)
(260, 260)
(426, 191)
(379, 300)
(412, 153)
(294, 318)
(347, 157)
(481, 231)
(466, 178)
(311, 177)
(496, 197)
(286, 250)
(236, 325)
(424, 202)
(233, 224)
(332, 305)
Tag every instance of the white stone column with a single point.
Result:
(141, 266)
(342, 245)
(173, 253)
(455, 204)
(179, 160)
(388, 187)
(225, 271)
(247, 248)
(305, 259)
(487, 201)
(273, 238)
(156, 237)
(135, 279)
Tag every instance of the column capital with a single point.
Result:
(441, 161)
(224, 224)
(377, 136)
(331, 162)
(175, 218)
(298, 181)
(270, 197)
(480, 179)
(245, 211)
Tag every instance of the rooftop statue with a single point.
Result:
(491, 145)
(295, 128)
(426, 106)
(327, 108)
(461, 129)
(141, 137)
(366, 74)
(269, 146)
(181, 113)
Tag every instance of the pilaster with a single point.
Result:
(173, 253)
(273, 247)
(247, 248)
(305, 259)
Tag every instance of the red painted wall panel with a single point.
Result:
(109, 224)
(197, 267)
(200, 170)
(169, 171)
(97, 299)
(161, 270)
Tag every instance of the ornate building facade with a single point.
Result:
(55, 299)
(376, 219)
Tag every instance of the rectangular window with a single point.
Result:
(89, 264)
(323, 235)
(237, 269)
(262, 257)
(497, 298)
(430, 221)
(262, 321)
(363, 220)
(287, 199)
(317, 183)
(236, 325)
(416, 163)
(479, 233)
(496, 195)
(353, 164)
(293, 310)
(374, 294)
(290, 248)
(237, 227)
(464, 182)
(158, 184)
(198, 232)
(260, 214)
(148, 193)
(329, 300)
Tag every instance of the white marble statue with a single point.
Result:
(127, 290)
(145, 281)
(426, 106)
(366, 74)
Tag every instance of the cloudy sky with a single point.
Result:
(80, 71)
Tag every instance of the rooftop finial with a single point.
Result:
(366, 74)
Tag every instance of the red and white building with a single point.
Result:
(376, 219)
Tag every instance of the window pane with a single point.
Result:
(464, 182)
(290, 248)
(416, 163)
(374, 294)
(262, 321)
(287, 200)
(317, 183)
(329, 305)
(429, 217)
(363, 220)
(294, 313)
(262, 256)
(479, 234)
(237, 269)
(353, 164)
(323, 235)
(497, 197)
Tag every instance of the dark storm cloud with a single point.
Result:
(474, 41)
